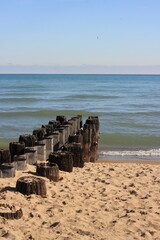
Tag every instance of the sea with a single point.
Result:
(128, 107)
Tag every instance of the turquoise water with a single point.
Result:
(128, 107)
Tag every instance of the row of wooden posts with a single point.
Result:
(60, 145)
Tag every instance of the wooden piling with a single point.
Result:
(28, 139)
(48, 170)
(64, 160)
(31, 185)
(16, 148)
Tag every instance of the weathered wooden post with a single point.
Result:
(61, 136)
(31, 155)
(80, 121)
(75, 124)
(10, 212)
(66, 129)
(54, 123)
(31, 185)
(48, 170)
(28, 139)
(16, 148)
(40, 144)
(7, 170)
(93, 123)
(71, 129)
(86, 142)
(78, 138)
(56, 139)
(49, 129)
(30, 148)
(5, 156)
(61, 119)
(20, 162)
(77, 151)
(64, 160)
(48, 139)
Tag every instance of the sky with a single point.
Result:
(80, 36)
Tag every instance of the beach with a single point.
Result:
(102, 201)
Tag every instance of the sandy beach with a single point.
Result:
(102, 201)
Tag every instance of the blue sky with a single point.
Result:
(80, 36)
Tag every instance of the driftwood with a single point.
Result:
(31, 185)
(28, 139)
(49, 170)
(10, 212)
(64, 160)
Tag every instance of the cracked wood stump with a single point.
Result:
(64, 160)
(31, 185)
(10, 212)
(77, 152)
(7, 170)
(16, 148)
(49, 170)
(28, 139)
(5, 156)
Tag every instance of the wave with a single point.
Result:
(18, 99)
(121, 114)
(128, 141)
(91, 96)
(52, 113)
(139, 153)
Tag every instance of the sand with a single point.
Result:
(102, 201)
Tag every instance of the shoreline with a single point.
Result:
(129, 161)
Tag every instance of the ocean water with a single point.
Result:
(128, 107)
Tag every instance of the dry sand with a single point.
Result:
(102, 201)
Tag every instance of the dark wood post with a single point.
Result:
(5, 156)
(7, 170)
(64, 160)
(39, 133)
(31, 155)
(28, 139)
(31, 185)
(48, 170)
(86, 142)
(20, 162)
(10, 212)
(77, 151)
(16, 148)
(54, 123)
(61, 119)
(56, 139)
